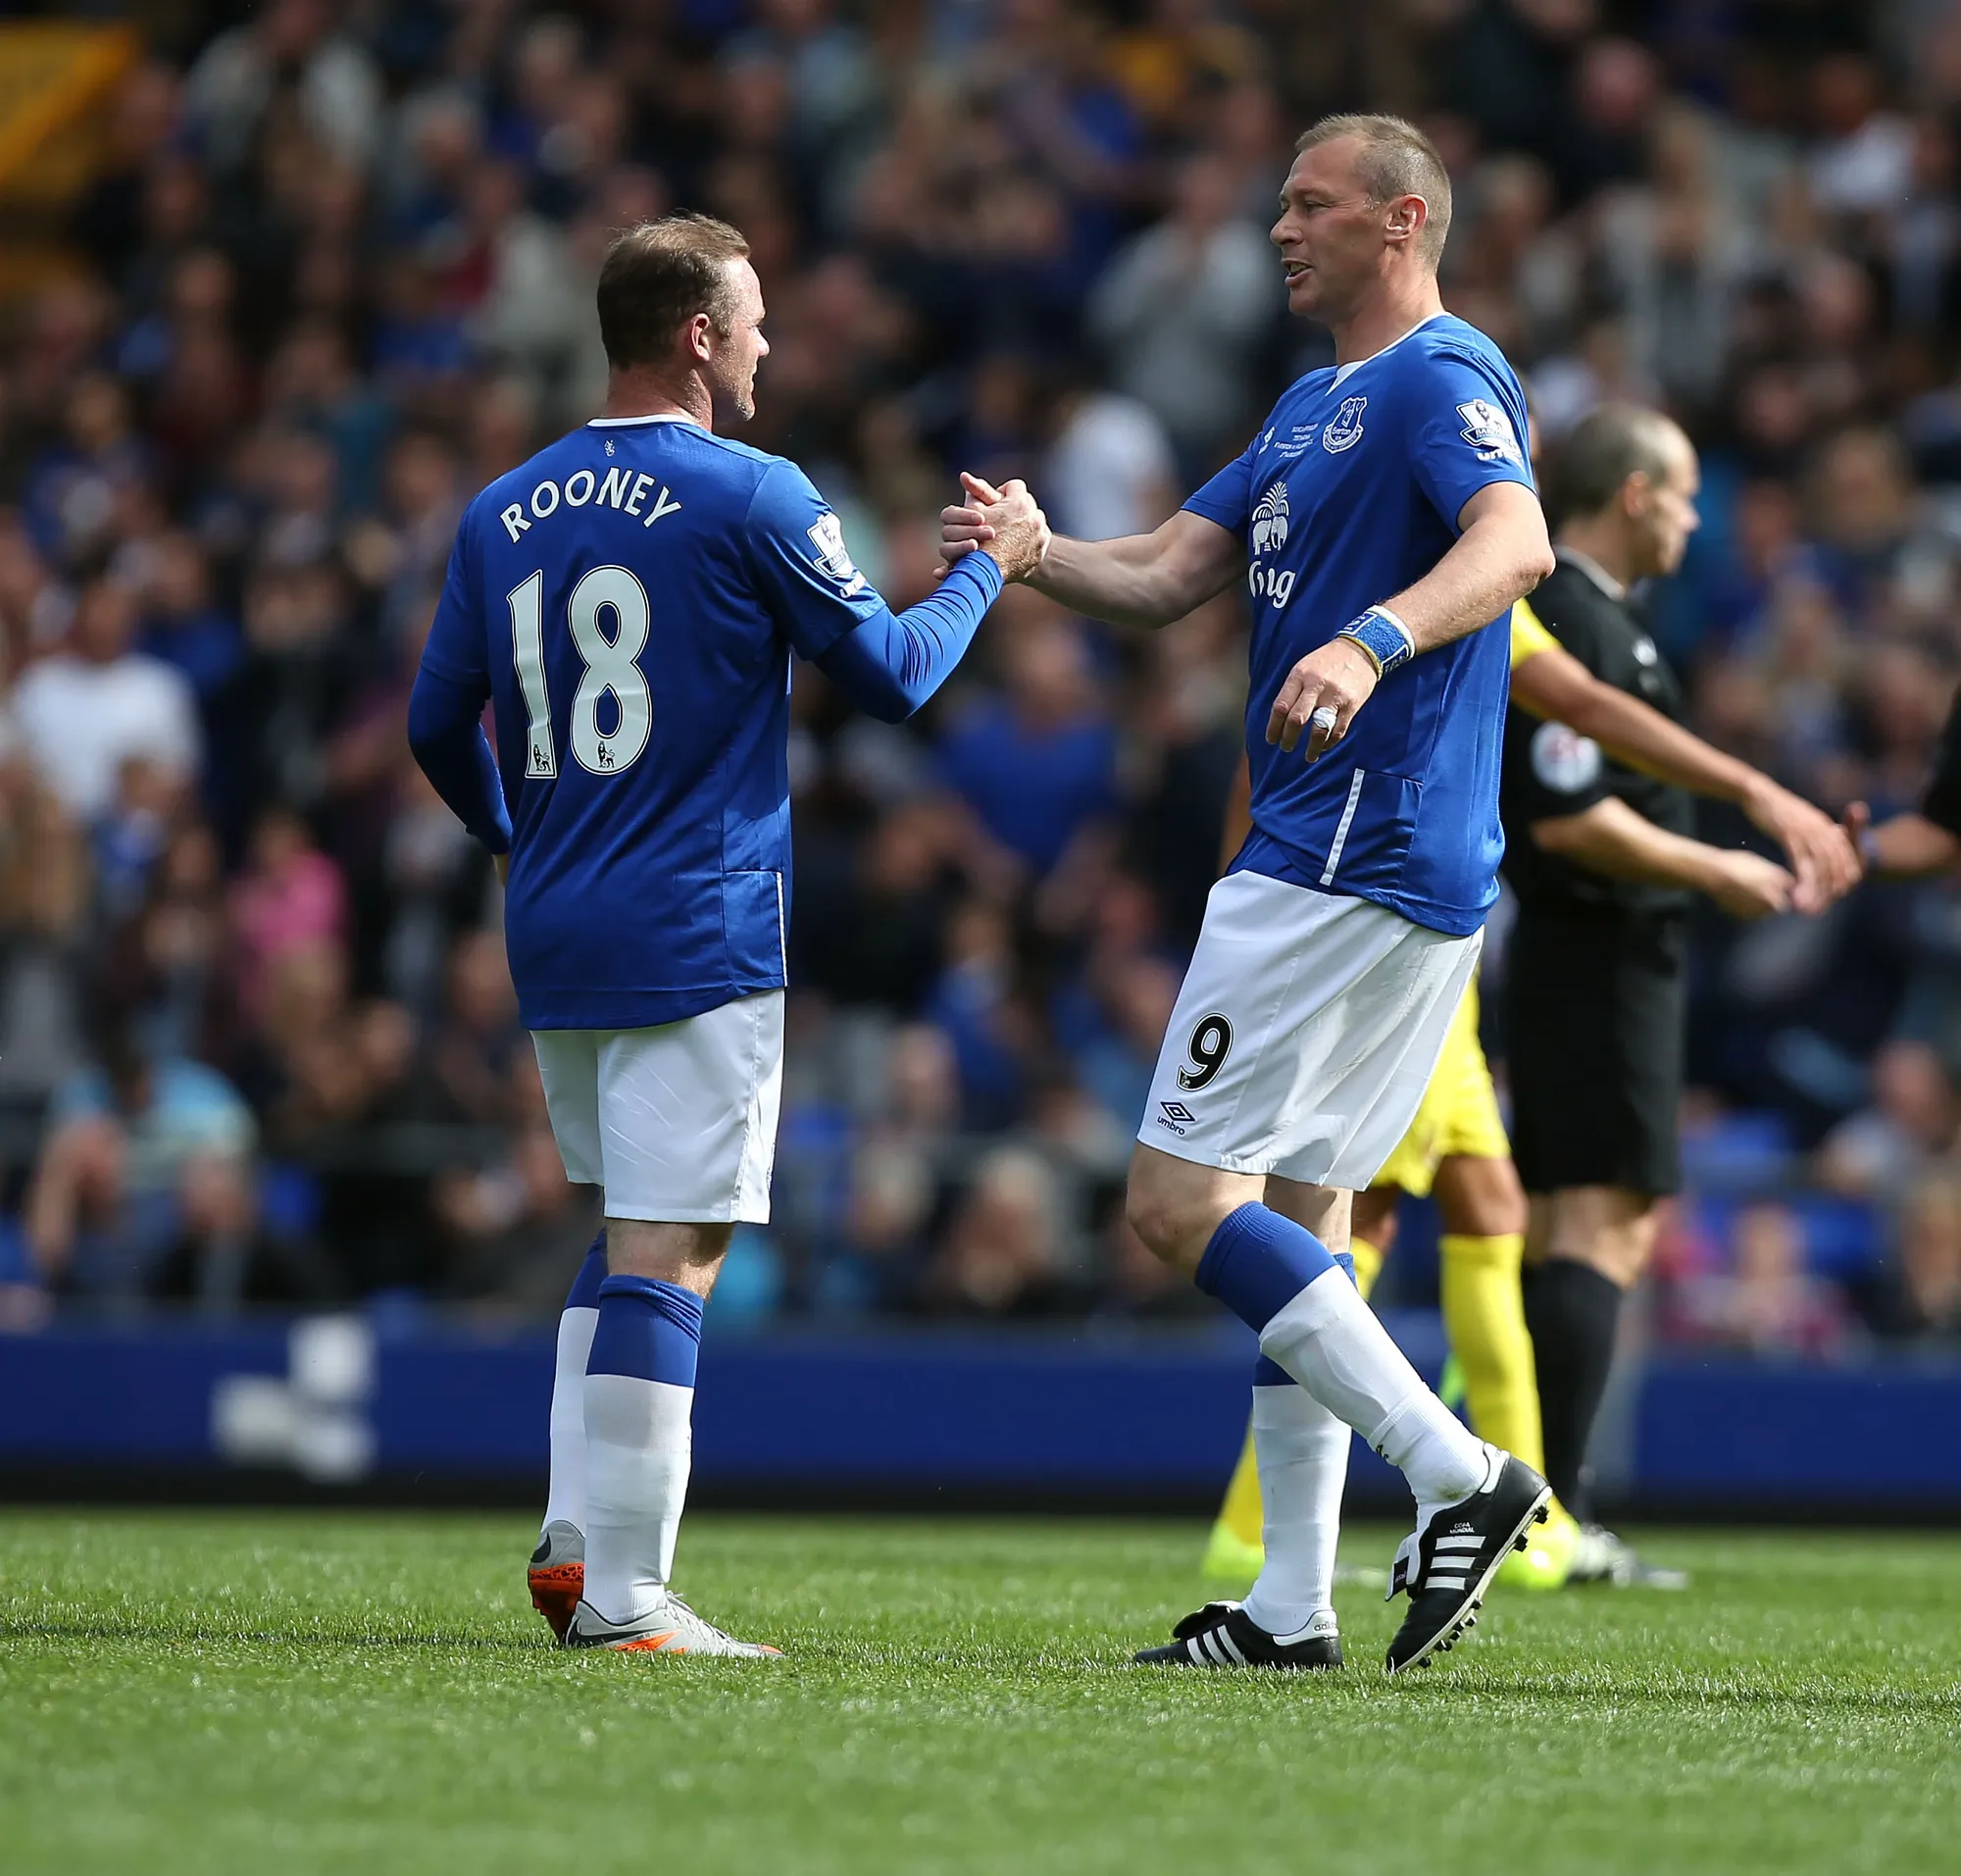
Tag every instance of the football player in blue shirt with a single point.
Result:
(628, 601)
(1382, 519)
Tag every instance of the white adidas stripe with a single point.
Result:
(1231, 1646)
(1470, 1543)
(1342, 826)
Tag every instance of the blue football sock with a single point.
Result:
(585, 1290)
(647, 1329)
(1258, 1263)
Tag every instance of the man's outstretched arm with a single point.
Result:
(1553, 683)
(1909, 847)
(887, 663)
(1610, 837)
(1137, 580)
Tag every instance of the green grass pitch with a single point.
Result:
(299, 1693)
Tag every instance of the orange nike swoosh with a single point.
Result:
(650, 1644)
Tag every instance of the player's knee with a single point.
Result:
(1173, 1207)
(1480, 1198)
(1620, 1255)
(689, 1254)
(1160, 1226)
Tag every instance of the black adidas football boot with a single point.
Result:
(1447, 1565)
(1224, 1635)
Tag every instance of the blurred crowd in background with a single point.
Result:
(257, 1039)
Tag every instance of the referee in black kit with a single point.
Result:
(1604, 863)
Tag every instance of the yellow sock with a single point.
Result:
(1484, 1316)
(1242, 1514)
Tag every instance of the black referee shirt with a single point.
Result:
(1550, 770)
(1942, 805)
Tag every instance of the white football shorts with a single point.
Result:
(1308, 1027)
(677, 1123)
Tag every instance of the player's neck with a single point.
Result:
(645, 393)
(1400, 306)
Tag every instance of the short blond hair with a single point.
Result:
(1396, 158)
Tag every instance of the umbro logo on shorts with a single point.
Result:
(1177, 1116)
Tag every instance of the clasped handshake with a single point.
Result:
(1153, 580)
(1003, 521)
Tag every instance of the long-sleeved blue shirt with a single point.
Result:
(627, 602)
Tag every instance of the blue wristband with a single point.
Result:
(1383, 635)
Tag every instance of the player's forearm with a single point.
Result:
(1142, 579)
(1115, 579)
(893, 663)
(1556, 684)
(1908, 846)
(1612, 839)
(446, 737)
(1501, 555)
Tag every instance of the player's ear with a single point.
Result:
(1407, 217)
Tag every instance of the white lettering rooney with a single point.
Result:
(623, 490)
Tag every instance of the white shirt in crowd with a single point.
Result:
(1110, 471)
(81, 721)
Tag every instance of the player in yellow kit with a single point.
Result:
(1457, 1146)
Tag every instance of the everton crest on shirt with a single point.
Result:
(1352, 491)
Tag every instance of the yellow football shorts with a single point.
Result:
(1459, 1116)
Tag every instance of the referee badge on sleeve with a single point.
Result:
(1564, 761)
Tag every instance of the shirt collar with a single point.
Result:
(1593, 571)
(656, 417)
(1343, 371)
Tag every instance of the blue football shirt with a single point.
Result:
(629, 600)
(1349, 493)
